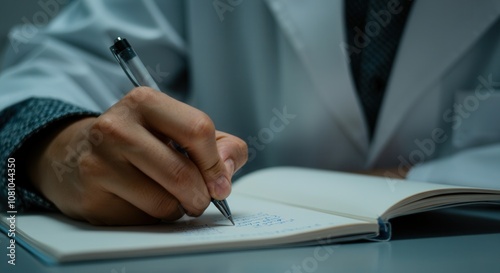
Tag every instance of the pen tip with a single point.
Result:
(231, 219)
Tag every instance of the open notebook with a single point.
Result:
(272, 207)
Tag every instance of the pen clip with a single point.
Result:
(124, 67)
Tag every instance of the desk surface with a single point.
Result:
(453, 240)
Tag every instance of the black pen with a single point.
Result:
(139, 76)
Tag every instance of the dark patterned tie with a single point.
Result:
(374, 27)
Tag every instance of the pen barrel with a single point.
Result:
(141, 73)
(132, 64)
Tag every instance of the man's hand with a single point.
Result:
(121, 167)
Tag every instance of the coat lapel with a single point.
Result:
(437, 34)
(316, 31)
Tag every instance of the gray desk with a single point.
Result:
(454, 240)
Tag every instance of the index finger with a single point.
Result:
(193, 130)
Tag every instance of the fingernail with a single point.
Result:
(222, 186)
(229, 163)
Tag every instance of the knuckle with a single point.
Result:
(242, 149)
(202, 127)
(139, 95)
(111, 128)
(106, 123)
(182, 175)
(214, 170)
(89, 166)
(165, 207)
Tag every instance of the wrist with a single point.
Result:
(50, 150)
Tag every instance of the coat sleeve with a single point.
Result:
(65, 70)
(70, 60)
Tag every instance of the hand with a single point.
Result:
(121, 168)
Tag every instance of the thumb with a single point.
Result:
(220, 186)
(233, 151)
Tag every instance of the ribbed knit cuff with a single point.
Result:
(18, 124)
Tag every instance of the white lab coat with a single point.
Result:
(275, 73)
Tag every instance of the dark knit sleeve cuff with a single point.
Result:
(18, 124)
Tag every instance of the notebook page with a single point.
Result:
(351, 195)
(258, 223)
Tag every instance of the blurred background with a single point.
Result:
(35, 12)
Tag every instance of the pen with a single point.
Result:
(139, 76)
